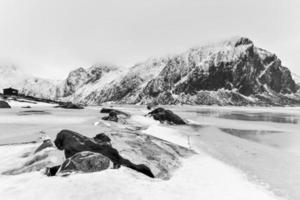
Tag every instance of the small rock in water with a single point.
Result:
(164, 115)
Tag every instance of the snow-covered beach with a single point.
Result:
(261, 164)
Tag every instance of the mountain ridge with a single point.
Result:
(231, 72)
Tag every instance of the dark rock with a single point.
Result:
(72, 143)
(46, 143)
(4, 104)
(111, 117)
(163, 115)
(69, 105)
(117, 112)
(86, 161)
(243, 41)
(51, 171)
(102, 139)
(26, 107)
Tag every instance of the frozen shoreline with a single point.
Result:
(200, 177)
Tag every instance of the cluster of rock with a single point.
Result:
(83, 154)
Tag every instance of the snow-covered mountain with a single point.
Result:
(231, 72)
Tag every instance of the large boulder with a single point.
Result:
(86, 161)
(168, 116)
(72, 143)
(4, 104)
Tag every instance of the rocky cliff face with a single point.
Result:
(232, 72)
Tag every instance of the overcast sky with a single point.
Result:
(51, 37)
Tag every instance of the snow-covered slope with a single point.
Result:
(10, 75)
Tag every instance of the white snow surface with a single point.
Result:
(201, 177)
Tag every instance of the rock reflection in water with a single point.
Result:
(34, 112)
(267, 117)
(254, 135)
(258, 116)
